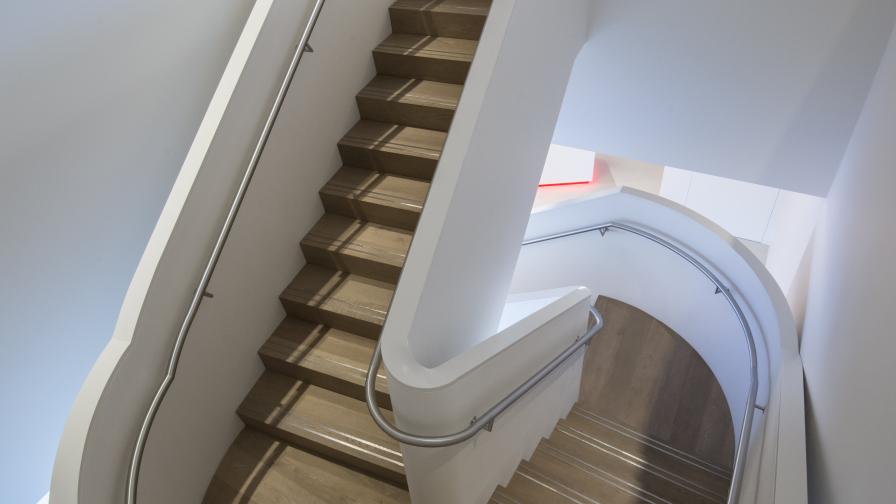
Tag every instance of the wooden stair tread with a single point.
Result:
(330, 423)
(310, 438)
(360, 247)
(433, 94)
(411, 102)
(425, 46)
(421, 56)
(339, 299)
(595, 459)
(662, 458)
(531, 488)
(580, 484)
(403, 150)
(470, 7)
(326, 357)
(500, 497)
(259, 469)
(378, 197)
(449, 18)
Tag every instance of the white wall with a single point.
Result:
(765, 91)
(779, 221)
(486, 180)
(100, 100)
(848, 340)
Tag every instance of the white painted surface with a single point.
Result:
(197, 421)
(485, 182)
(848, 343)
(567, 165)
(780, 222)
(741, 208)
(453, 393)
(609, 172)
(789, 236)
(767, 92)
(759, 249)
(100, 100)
(641, 273)
(445, 361)
(676, 185)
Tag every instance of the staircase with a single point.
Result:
(309, 437)
(651, 425)
(589, 459)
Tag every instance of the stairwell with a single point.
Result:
(309, 437)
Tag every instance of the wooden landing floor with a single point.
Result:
(642, 375)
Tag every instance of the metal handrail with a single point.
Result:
(721, 288)
(486, 421)
(201, 290)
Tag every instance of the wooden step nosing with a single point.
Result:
(640, 463)
(388, 197)
(540, 478)
(392, 473)
(457, 10)
(391, 147)
(384, 201)
(378, 255)
(499, 497)
(606, 476)
(653, 443)
(436, 55)
(417, 100)
(315, 364)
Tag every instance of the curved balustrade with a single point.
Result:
(484, 421)
(721, 288)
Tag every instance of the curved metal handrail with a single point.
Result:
(478, 423)
(485, 421)
(721, 288)
(201, 289)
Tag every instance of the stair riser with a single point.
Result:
(421, 67)
(325, 451)
(389, 162)
(343, 262)
(651, 482)
(439, 24)
(523, 489)
(406, 114)
(326, 381)
(700, 477)
(332, 319)
(364, 210)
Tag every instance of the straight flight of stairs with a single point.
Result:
(591, 460)
(309, 437)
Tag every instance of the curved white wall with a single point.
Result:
(100, 100)
(197, 421)
(445, 361)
